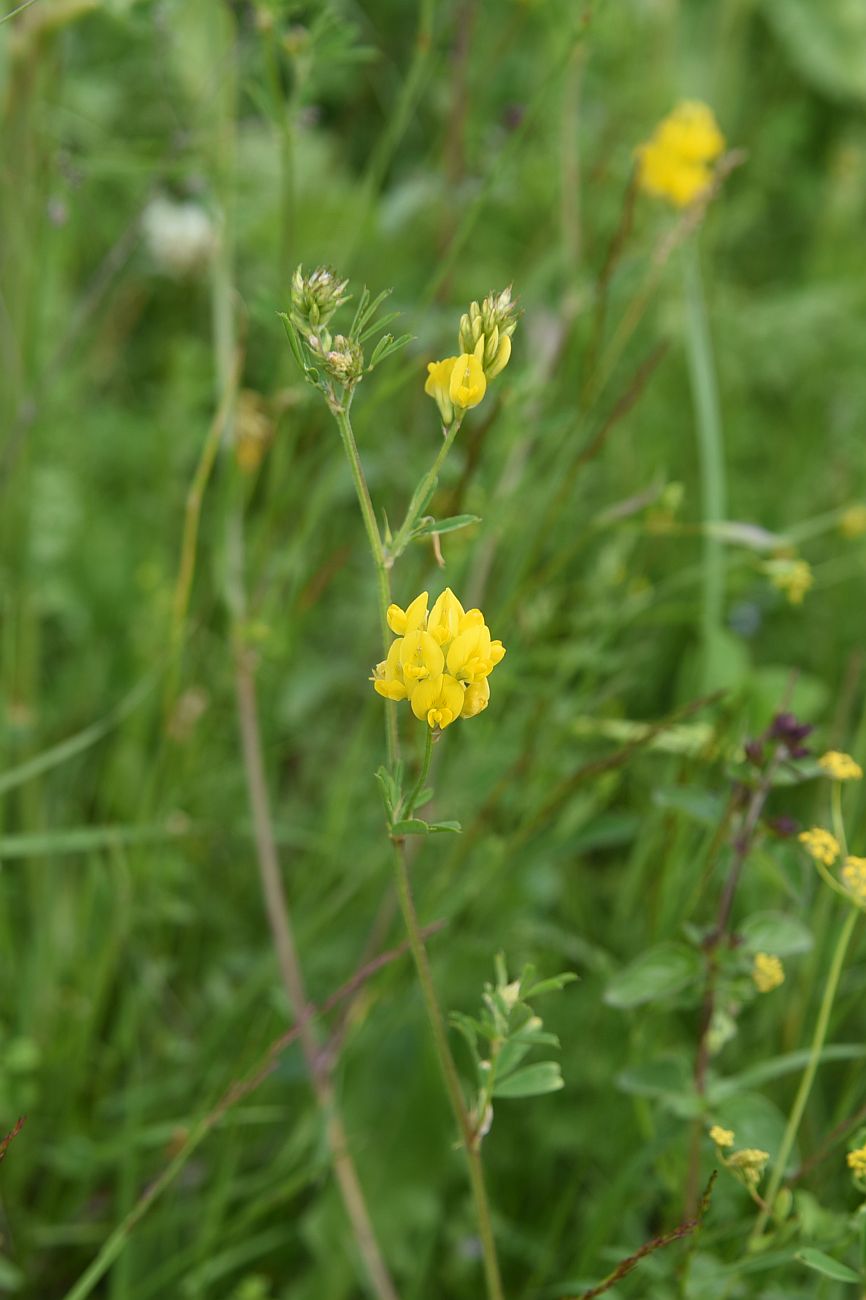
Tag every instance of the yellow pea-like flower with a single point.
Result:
(387, 678)
(414, 616)
(438, 386)
(420, 656)
(438, 701)
(476, 698)
(445, 617)
(676, 162)
(467, 384)
(440, 661)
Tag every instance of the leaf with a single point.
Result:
(701, 806)
(826, 42)
(436, 827)
(510, 1057)
(411, 826)
(668, 1080)
(659, 973)
(531, 1081)
(294, 342)
(777, 1066)
(469, 1029)
(550, 985)
(776, 933)
(430, 525)
(825, 1264)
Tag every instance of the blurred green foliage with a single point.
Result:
(444, 149)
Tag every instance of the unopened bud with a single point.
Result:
(316, 297)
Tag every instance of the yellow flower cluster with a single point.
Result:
(854, 878)
(440, 661)
(750, 1164)
(675, 163)
(857, 1162)
(839, 766)
(767, 973)
(853, 522)
(484, 339)
(794, 578)
(723, 1137)
(821, 845)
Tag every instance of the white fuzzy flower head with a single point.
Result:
(180, 237)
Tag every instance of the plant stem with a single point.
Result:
(409, 806)
(808, 1078)
(284, 941)
(424, 489)
(449, 1074)
(699, 350)
(192, 518)
(383, 579)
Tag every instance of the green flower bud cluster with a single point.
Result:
(494, 321)
(315, 298)
(342, 358)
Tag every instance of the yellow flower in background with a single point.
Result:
(676, 162)
(723, 1137)
(440, 661)
(767, 973)
(853, 522)
(691, 132)
(792, 577)
(856, 1161)
(750, 1164)
(467, 384)
(839, 766)
(821, 845)
(438, 386)
(854, 877)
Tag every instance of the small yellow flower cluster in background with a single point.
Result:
(484, 338)
(856, 1161)
(854, 878)
(767, 973)
(440, 661)
(254, 430)
(747, 1165)
(794, 578)
(853, 522)
(840, 767)
(821, 845)
(675, 163)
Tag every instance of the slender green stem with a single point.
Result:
(449, 1074)
(383, 579)
(409, 805)
(808, 1078)
(710, 451)
(425, 488)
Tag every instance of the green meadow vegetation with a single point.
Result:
(313, 988)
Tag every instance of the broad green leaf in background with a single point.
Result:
(655, 975)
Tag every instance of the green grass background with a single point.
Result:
(444, 149)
